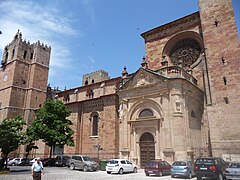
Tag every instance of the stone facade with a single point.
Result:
(23, 79)
(222, 51)
(181, 104)
(95, 118)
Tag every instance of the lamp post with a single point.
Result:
(99, 148)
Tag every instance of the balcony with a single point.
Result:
(177, 72)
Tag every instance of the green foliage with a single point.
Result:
(52, 125)
(11, 134)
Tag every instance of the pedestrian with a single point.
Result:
(37, 169)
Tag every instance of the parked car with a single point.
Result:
(24, 162)
(120, 166)
(157, 167)
(32, 161)
(233, 171)
(83, 162)
(48, 161)
(182, 169)
(13, 162)
(62, 160)
(210, 167)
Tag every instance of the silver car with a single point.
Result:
(83, 162)
(182, 169)
(233, 171)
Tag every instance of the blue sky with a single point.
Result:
(88, 35)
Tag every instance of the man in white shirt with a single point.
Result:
(37, 169)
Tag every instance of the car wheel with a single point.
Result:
(190, 175)
(135, 170)
(147, 174)
(160, 173)
(109, 172)
(85, 168)
(72, 166)
(220, 177)
(199, 178)
(120, 171)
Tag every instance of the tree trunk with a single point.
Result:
(51, 147)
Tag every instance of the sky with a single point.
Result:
(89, 35)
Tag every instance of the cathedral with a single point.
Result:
(182, 102)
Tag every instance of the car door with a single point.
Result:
(129, 166)
(80, 162)
(124, 166)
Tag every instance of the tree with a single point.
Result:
(31, 136)
(11, 136)
(52, 126)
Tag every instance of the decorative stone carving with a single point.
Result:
(142, 80)
(185, 52)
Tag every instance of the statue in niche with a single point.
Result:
(120, 111)
(178, 105)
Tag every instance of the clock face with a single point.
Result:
(5, 78)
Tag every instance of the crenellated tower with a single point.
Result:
(23, 78)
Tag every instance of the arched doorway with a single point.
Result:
(147, 148)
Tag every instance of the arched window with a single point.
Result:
(95, 125)
(6, 57)
(13, 51)
(86, 83)
(92, 81)
(25, 54)
(146, 113)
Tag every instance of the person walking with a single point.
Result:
(37, 169)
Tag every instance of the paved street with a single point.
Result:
(58, 173)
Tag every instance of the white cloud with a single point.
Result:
(39, 22)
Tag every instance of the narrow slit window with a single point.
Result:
(225, 80)
(25, 54)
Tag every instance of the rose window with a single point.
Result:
(185, 52)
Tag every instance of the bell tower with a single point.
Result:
(222, 51)
(23, 78)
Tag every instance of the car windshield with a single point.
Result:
(179, 163)
(113, 162)
(86, 158)
(205, 161)
(151, 164)
(235, 165)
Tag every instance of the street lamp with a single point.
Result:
(99, 148)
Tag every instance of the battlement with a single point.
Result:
(18, 39)
(94, 77)
(23, 50)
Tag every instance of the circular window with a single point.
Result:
(185, 52)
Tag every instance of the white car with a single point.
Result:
(13, 162)
(120, 166)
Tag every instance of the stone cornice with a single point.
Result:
(163, 28)
(26, 63)
(25, 89)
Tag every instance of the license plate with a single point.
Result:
(150, 171)
(109, 168)
(202, 168)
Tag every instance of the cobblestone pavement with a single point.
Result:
(64, 173)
